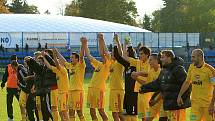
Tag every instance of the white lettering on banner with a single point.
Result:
(5, 39)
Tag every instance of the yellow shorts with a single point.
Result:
(157, 110)
(131, 118)
(23, 99)
(38, 101)
(116, 100)
(54, 97)
(177, 115)
(143, 104)
(95, 98)
(76, 99)
(63, 101)
(199, 113)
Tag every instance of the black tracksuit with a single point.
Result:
(45, 78)
(169, 83)
(130, 97)
(26, 87)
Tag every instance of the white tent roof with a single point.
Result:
(56, 23)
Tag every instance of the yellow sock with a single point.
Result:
(82, 118)
(40, 115)
(72, 118)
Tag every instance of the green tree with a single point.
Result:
(170, 16)
(21, 6)
(198, 15)
(72, 9)
(185, 16)
(120, 11)
(3, 7)
(155, 22)
(147, 22)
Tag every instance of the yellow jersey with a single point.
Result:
(153, 75)
(116, 76)
(140, 66)
(76, 75)
(202, 88)
(100, 74)
(63, 82)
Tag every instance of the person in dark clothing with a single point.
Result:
(30, 102)
(46, 46)
(12, 87)
(130, 97)
(169, 83)
(2, 48)
(45, 79)
(26, 47)
(17, 48)
(39, 48)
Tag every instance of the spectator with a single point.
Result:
(39, 47)
(2, 48)
(46, 46)
(17, 48)
(26, 47)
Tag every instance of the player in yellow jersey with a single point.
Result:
(201, 75)
(96, 90)
(141, 65)
(155, 104)
(116, 96)
(76, 89)
(63, 85)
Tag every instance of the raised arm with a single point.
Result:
(34, 66)
(102, 48)
(120, 59)
(82, 49)
(125, 54)
(61, 58)
(118, 44)
(45, 61)
(55, 59)
(87, 51)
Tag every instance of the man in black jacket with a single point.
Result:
(44, 81)
(130, 97)
(169, 83)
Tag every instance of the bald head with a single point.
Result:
(197, 57)
(199, 53)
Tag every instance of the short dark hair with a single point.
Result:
(145, 50)
(131, 52)
(76, 55)
(168, 53)
(13, 57)
(14, 63)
